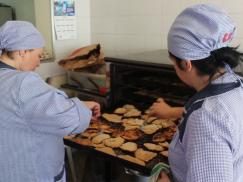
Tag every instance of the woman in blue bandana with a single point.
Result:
(208, 146)
(34, 116)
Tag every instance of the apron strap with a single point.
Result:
(197, 100)
(3, 65)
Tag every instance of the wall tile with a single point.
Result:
(104, 25)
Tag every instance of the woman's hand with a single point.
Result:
(94, 107)
(164, 111)
(163, 177)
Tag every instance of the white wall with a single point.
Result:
(64, 47)
(130, 26)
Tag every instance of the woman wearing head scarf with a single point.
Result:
(34, 116)
(208, 145)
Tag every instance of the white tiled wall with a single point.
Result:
(130, 26)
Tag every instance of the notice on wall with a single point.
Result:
(65, 22)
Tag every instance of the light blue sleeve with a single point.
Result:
(209, 148)
(49, 110)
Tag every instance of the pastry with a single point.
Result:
(94, 125)
(132, 134)
(165, 153)
(100, 145)
(104, 126)
(129, 146)
(120, 110)
(99, 138)
(158, 121)
(109, 130)
(129, 106)
(145, 117)
(164, 144)
(117, 133)
(83, 141)
(90, 133)
(112, 117)
(132, 113)
(144, 155)
(133, 121)
(132, 159)
(150, 129)
(130, 127)
(114, 142)
(151, 146)
(167, 123)
(151, 119)
(159, 137)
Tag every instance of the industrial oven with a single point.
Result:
(138, 80)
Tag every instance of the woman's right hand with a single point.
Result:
(94, 107)
(164, 111)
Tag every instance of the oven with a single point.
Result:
(138, 80)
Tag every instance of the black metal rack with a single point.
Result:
(141, 83)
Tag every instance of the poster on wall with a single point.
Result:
(65, 22)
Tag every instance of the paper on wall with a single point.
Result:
(65, 22)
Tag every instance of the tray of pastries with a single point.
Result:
(130, 134)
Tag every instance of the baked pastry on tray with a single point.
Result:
(129, 146)
(114, 142)
(153, 147)
(144, 155)
(99, 138)
(112, 118)
(132, 134)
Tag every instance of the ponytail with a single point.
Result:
(228, 55)
(217, 59)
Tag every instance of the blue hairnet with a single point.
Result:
(20, 35)
(198, 30)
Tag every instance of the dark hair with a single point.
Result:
(10, 53)
(217, 59)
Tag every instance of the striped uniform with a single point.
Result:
(209, 144)
(34, 119)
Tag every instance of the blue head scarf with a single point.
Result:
(19, 35)
(198, 30)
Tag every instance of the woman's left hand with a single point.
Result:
(163, 177)
(94, 107)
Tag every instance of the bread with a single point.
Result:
(144, 155)
(112, 117)
(164, 144)
(120, 110)
(129, 106)
(114, 142)
(159, 137)
(90, 133)
(150, 129)
(99, 138)
(133, 121)
(153, 147)
(84, 141)
(133, 113)
(165, 153)
(132, 134)
(129, 146)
